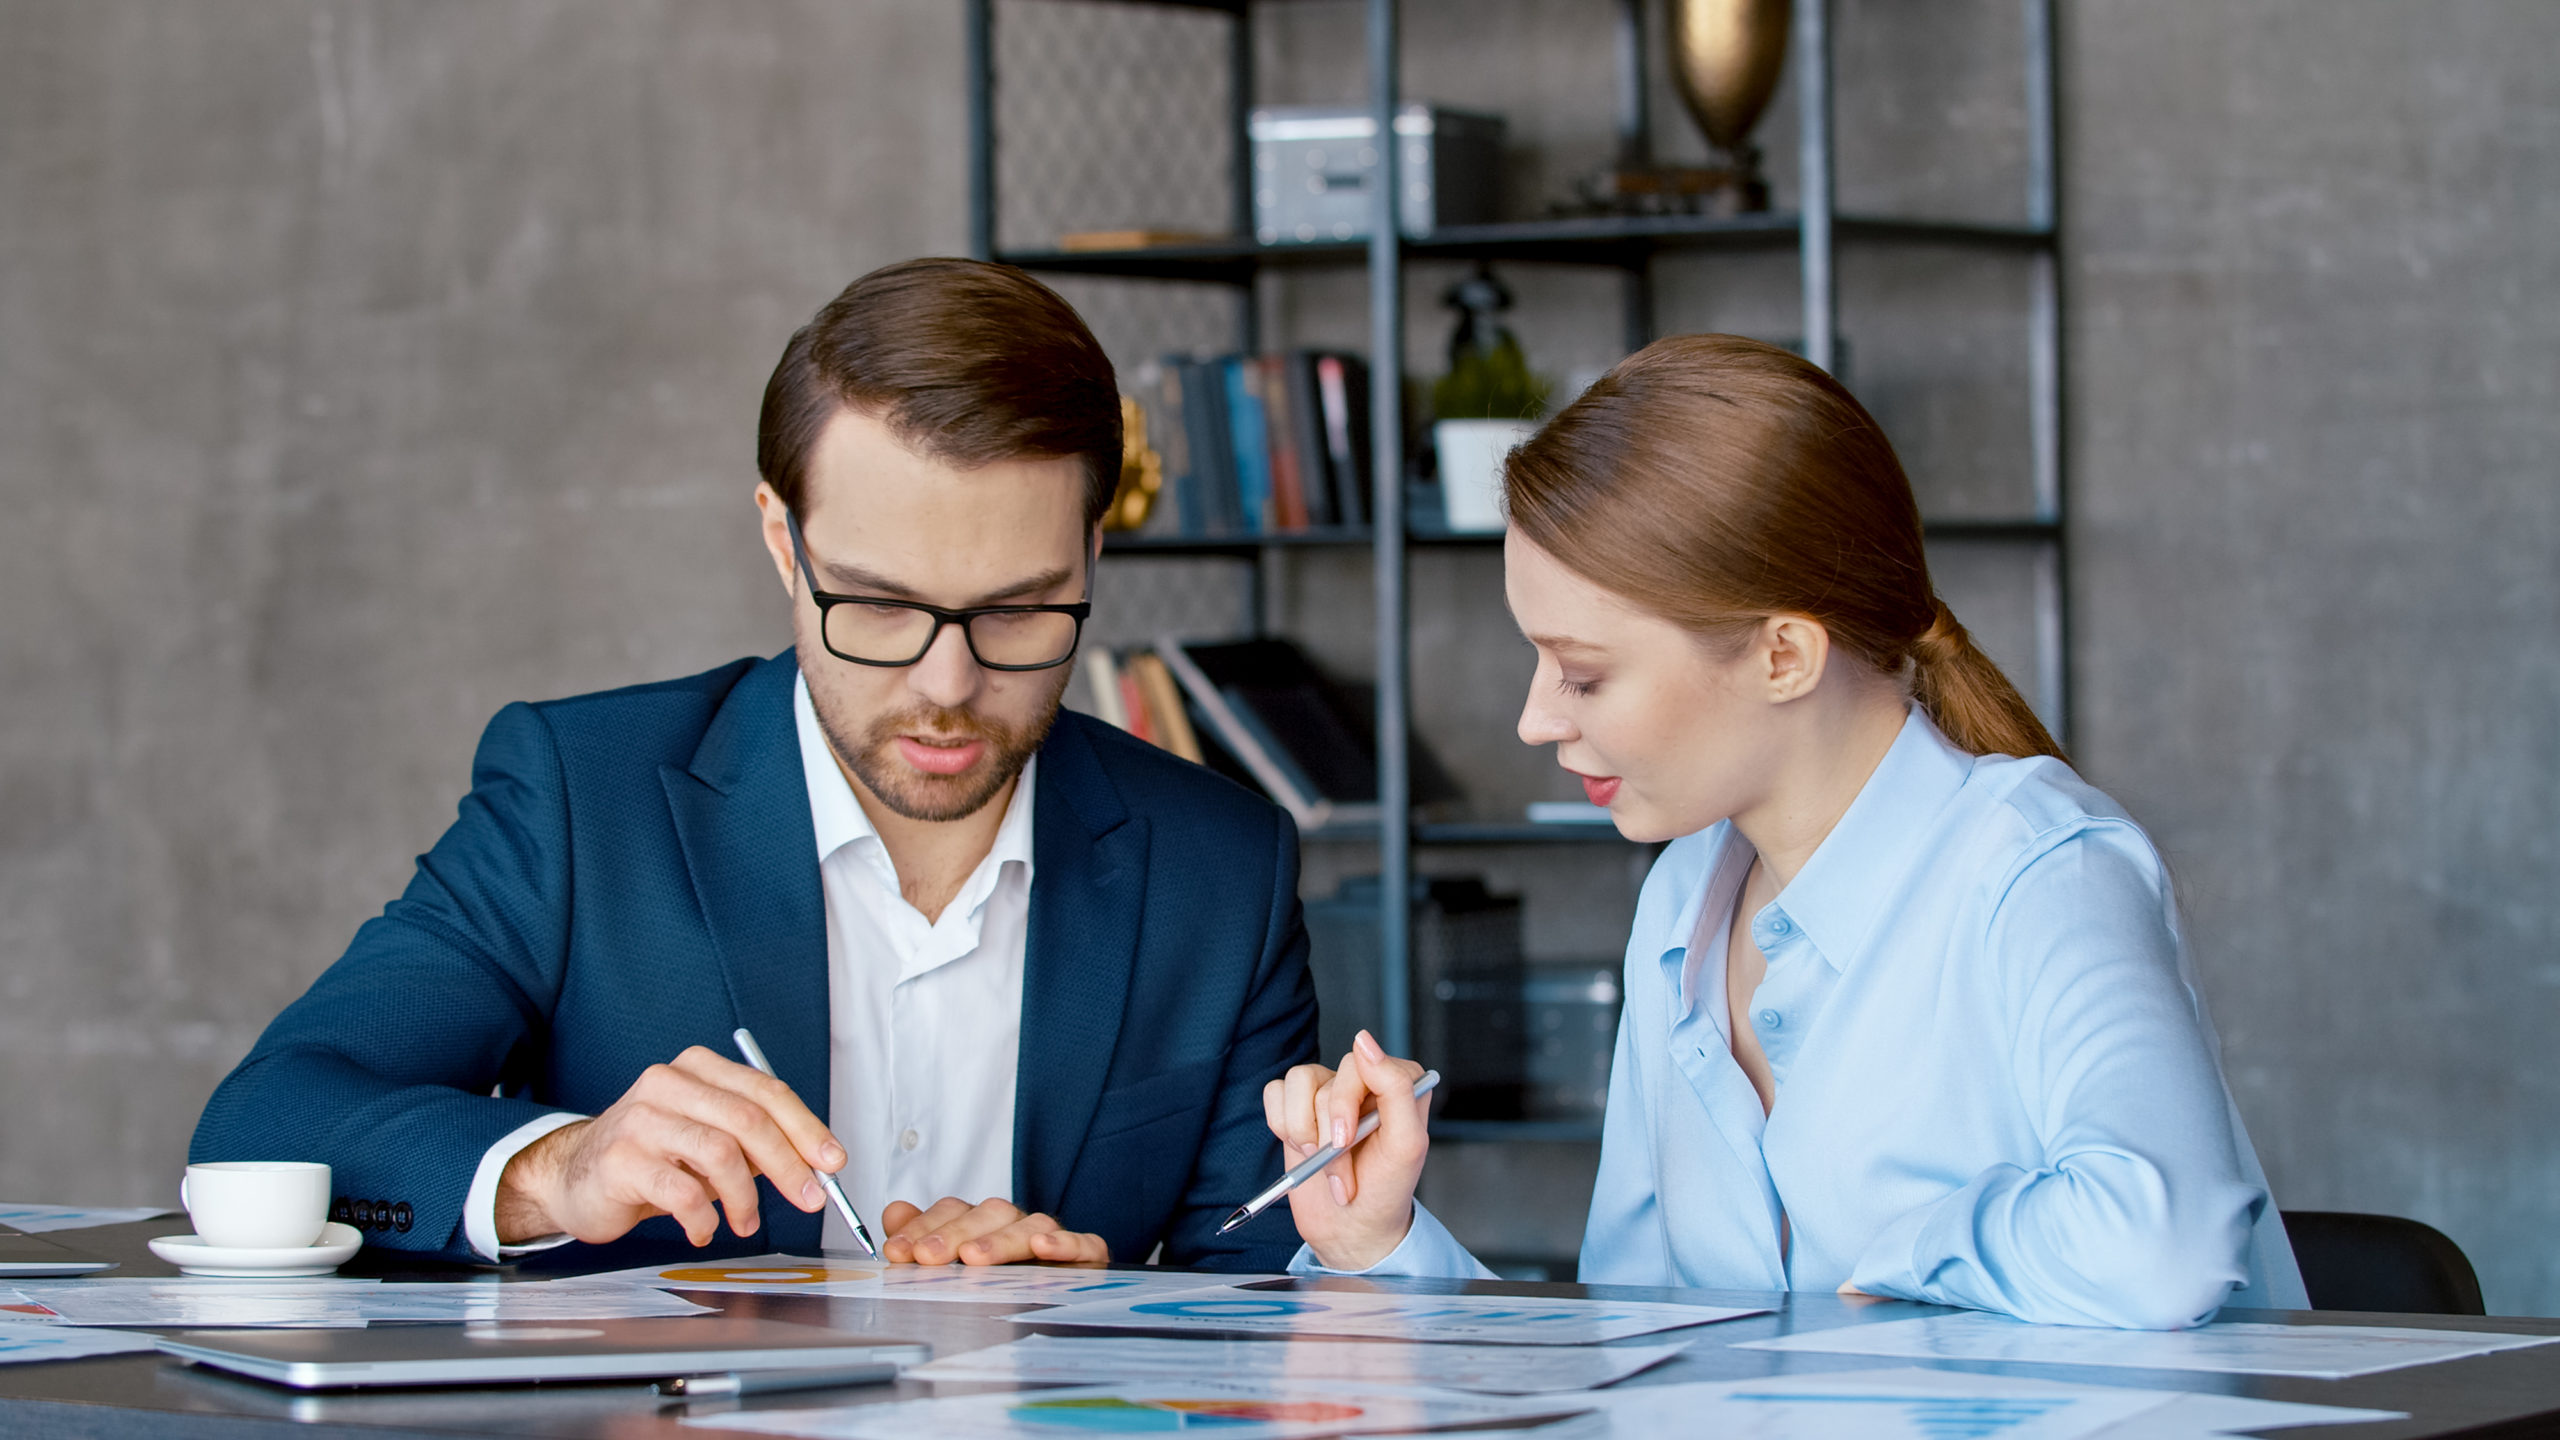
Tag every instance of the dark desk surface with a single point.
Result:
(2513, 1393)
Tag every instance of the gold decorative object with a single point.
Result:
(1726, 56)
(1141, 471)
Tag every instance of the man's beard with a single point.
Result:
(874, 758)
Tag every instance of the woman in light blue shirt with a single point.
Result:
(1907, 1009)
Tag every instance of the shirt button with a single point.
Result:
(907, 1139)
(1771, 1020)
(1779, 924)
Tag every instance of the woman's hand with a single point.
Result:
(1357, 1212)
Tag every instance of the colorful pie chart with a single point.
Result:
(1110, 1415)
(761, 1275)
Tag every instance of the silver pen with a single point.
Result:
(748, 1047)
(1306, 1170)
(766, 1382)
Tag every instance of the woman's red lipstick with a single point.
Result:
(1599, 790)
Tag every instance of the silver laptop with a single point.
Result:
(496, 1354)
(23, 1255)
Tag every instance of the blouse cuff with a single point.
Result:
(1890, 1266)
(1428, 1249)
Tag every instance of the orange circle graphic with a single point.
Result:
(762, 1275)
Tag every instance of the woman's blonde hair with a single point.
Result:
(1715, 481)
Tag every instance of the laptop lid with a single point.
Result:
(24, 1256)
(508, 1353)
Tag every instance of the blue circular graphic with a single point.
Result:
(1226, 1309)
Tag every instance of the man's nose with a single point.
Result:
(948, 676)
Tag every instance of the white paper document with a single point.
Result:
(983, 1284)
(1929, 1405)
(1243, 1410)
(20, 1344)
(1494, 1319)
(2319, 1352)
(339, 1304)
(1485, 1369)
(37, 1219)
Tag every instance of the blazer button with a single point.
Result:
(402, 1217)
(344, 1212)
(364, 1214)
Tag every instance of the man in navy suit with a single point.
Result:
(1022, 977)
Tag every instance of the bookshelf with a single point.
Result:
(1629, 246)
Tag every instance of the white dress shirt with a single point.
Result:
(924, 1018)
(1997, 1086)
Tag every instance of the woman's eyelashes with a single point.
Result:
(1575, 686)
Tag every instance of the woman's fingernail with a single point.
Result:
(1368, 1047)
(812, 1195)
(1341, 1139)
(831, 1157)
(1341, 1192)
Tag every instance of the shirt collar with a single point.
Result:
(839, 819)
(1858, 868)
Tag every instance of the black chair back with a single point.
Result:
(2381, 1262)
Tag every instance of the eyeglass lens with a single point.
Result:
(895, 635)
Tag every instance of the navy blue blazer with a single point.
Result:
(635, 872)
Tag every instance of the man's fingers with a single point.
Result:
(807, 1135)
(942, 1246)
(914, 1225)
(682, 1088)
(679, 1193)
(714, 1155)
(1400, 1114)
(1070, 1247)
(1006, 1244)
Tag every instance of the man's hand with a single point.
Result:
(992, 1232)
(686, 1134)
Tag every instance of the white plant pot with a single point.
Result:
(1471, 453)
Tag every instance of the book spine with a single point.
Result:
(1308, 810)
(1133, 703)
(1164, 706)
(1102, 674)
(1306, 437)
(1246, 430)
(1213, 447)
(1288, 490)
(1346, 429)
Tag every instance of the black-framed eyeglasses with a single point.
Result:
(869, 630)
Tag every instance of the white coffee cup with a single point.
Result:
(257, 1204)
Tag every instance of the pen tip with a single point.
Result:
(1235, 1220)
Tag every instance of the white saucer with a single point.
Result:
(337, 1245)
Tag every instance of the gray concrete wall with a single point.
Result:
(366, 365)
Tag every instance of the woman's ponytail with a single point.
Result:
(1712, 480)
(1967, 697)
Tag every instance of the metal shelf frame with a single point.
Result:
(1815, 232)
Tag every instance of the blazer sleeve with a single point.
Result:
(2138, 1215)
(385, 1068)
(1238, 1153)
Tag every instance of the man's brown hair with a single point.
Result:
(966, 362)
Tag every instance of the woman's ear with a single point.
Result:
(1794, 649)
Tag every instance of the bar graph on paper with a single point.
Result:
(1927, 1417)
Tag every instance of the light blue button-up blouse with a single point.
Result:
(1997, 1086)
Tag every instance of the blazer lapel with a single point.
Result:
(1088, 889)
(741, 812)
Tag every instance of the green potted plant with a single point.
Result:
(1488, 402)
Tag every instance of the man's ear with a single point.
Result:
(776, 531)
(1795, 648)
(1092, 557)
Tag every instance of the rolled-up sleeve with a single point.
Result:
(2138, 1215)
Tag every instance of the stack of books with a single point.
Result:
(1259, 712)
(1264, 444)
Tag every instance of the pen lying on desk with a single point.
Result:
(766, 1382)
(1307, 1169)
(748, 1047)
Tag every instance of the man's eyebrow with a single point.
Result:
(854, 580)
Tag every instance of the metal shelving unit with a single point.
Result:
(1629, 245)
